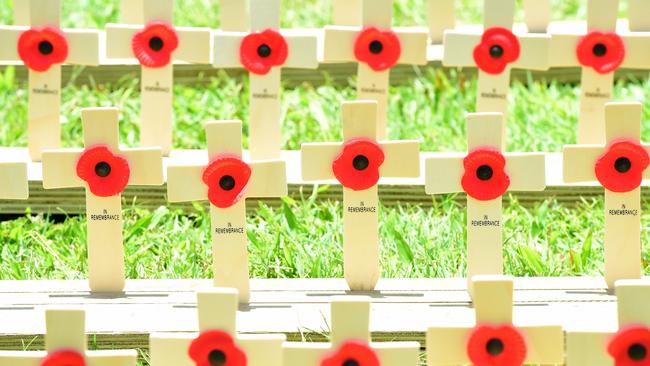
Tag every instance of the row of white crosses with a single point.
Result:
(38, 41)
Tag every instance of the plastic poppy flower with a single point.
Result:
(215, 347)
(355, 353)
(42, 47)
(498, 48)
(64, 358)
(357, 166)
(630, 346)
(620, 168)
(107, 174)
(604, 52)
(259, 52)
(226, 178)
(379, 49)
(153, 46)
(501, 345)
(485, 177)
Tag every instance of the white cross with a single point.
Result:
(622, 209)
(229, 239)
(340, 44)
(13, 176)
(217, 310)
(44, 94)
(350, 321)
(596, 87)
(492, 89)
(265, 111)
(157, 83)
(484, 216)
(360, 207)
(66, 333)
(104, 213)
(590, 346)
(493, 306)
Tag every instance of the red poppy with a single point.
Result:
(485, 177)
(153, 46)
(64, 358)
(620, 168)
(107, 174)
(379, 49)
(630, 346)
(215, 347)
(604, 52)
(226, 178)
(498, 48)
(356, 353)
(259, 52)
(42, 47)
(501, 345)
(357, 166)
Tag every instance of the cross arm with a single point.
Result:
(632, 299)
(316, 159)
(562, 49)
(402, 159)
(587, 348)
(443, 174)
(526, 171)
(184, 183)
(447, 346)
(545, 344)
(226, 48)
(304, 353)
(112, 358)
(578, 162)
(9, 36)
(59, 168)
(397, 353)
(21, 358)
(14, 178)
(83, 45)
(268, 179)
(303, 49)
(637, 50)
(145, 164)
(535, 52)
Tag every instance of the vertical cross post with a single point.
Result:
(494, 332)
(104, 170)
(217, 340)
(227, 181)
(485, 174)
(264, 51)
(441, 17)
(351, 341)
(537, 15)
(619, 165)
(636, 14)
(43, 47)
(13, 178)
(155, 43)
(376, 47)
(357, 164)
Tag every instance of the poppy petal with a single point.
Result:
(352, 352)
(41, 47)
(259, 52)
(500, 345)
(226, 178)
(604, 52)
(153, 46)
(631, 346)
(498, 48)
(357, 165)
(107, 174)
(485, 178)
(380, 50)
(64, 358)
(620, 168)
(216, 347)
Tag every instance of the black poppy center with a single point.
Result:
(45, 48)
(637, 352)
(217, 358)
(376, 47)
(494, 346)
(622, 165)
(599, 50)
(496, 51)
(484, 172)
(264, 50)
(360, 162)
(350, 362)
(102, 169)
(227, 182)
(156, 43)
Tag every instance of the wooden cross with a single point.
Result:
(13, 176)
(190, 183)
(358, 158)
(466, 48)
(493, 308)
(350, 327)
(346, 44)
(33, 18)
(597, 85)
(537, 15)
(104, 169)
(441, 17)
(485, 174)
(604, 346)
(66, 344)
(157, 81)
(589, 163)
(283, 49)
(217, 311)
